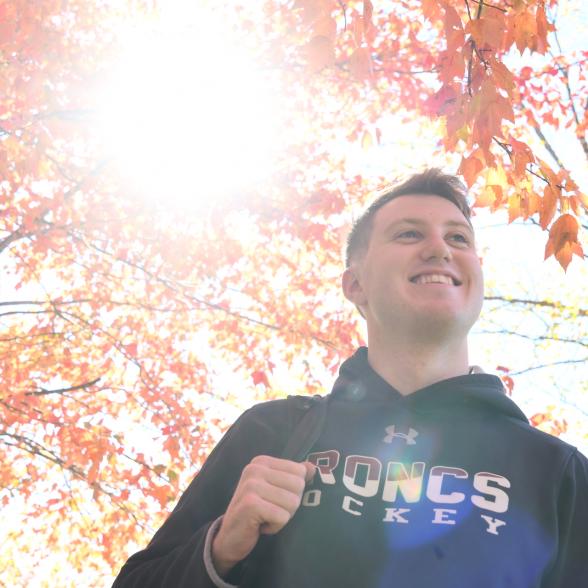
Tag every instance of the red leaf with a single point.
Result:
(368, 10)
(360, 64)
(320, 53)
(471, 167)
(563, 240)
(259, 377)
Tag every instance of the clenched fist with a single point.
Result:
(267, 496)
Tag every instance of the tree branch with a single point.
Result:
(546, 365)
(542, 303)
(44, 391)
(548, 146)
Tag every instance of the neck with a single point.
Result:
(409, 366)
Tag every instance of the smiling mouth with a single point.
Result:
(435, 279)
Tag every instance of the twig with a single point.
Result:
(43, 391)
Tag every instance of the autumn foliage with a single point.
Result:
(133, 330)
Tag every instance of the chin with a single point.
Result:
(443, 324)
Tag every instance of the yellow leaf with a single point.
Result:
(366, 140)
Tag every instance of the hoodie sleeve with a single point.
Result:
(175, 557)
(570, 569)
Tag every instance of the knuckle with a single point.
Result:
(300, 484)
(283, 516)
(250, 501)
(300, 470)
(252, 470)
(249, 469)
(293, 503)
(251, 486)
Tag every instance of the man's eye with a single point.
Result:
(408, 235)
(460, 238)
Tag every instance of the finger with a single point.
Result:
(266, 511)
(288, 481)
(274, 495)
(277, 463)
(275, 519)
(310, 471)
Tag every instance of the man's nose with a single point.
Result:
(436, 247)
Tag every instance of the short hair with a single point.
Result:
(431, 182)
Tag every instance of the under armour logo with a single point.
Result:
(408, 437)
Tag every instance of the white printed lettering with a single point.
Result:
(441, 515)
(394, 515)
(397, 478)
(482, 481)
(434, 492)
(326, 462)
(347, 505)
(311, 498)
(354, 464)
(493, 524)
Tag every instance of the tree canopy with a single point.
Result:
(177, 183)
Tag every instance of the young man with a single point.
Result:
(422, 473)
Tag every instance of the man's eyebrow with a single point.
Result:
(420, 222)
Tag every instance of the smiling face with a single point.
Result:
(420, 273)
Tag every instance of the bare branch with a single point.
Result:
(548, 146)
(543, 303)
(547, 365)
(44, 391)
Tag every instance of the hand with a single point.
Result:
(267, 496)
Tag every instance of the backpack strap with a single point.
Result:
(307, 427)
(307, 416)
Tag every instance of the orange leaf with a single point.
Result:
(431, 9)
(525, 31)
(440, 102)
(259, 377)
(563, 240)
(486, 32)
(325, 26)
(522, 156)
(490, 196)
(366, 140)
(368, 10)
(549, 205)
(320, 53)
(360, 64)
(311, 9)
(542, 29)
(502, 75)
(453, 29)
(471, 167)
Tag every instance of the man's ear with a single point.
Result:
(352, 288)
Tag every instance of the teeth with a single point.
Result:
(433, 279)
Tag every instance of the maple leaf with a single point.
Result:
(471, 167)
(325, 26)
(486, 32)
(368, 10)
(360, 64)
(551, 196)
(320, 53)
(260, 377)
(563, 240)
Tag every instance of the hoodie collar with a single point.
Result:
(357, 381)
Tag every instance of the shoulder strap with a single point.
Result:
(308, 427)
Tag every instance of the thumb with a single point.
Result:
(310, 471)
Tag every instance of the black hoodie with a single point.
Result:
(447, 487)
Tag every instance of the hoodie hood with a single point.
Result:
(478, 391)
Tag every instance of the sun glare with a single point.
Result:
(187, 114)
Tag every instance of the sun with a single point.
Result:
(187, 114)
